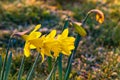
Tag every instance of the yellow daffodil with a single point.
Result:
(99, 15)
(44, 44)
(33, 35)
(66, 43)
(100, 18)
(49, 43)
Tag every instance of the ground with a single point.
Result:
(98, 55)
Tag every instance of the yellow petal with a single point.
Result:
(42, 54)
(64, 33)
(56, 54)
(34, 35)
(42, 57)
(99, 15)
(46, 51)
(51, 34)
(27, 49)
(71, 39)
(66, 53)
(37, 42)
(25, 37)
(36, 28)
(32, 46)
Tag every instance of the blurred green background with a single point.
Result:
(98, 55)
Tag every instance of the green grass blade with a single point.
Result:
(21, 68)
(8, 65)
(32, 69)
(5, 60)
(0, 65)
(68, 69)
(52, 71)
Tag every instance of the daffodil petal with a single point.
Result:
(36, 28)
(25, 37)
(32, 46)
(56, 54)
(66, 53)
(51, 34)
(34, 35)
(42, 54)
(42, 57)
(64, 33)
(36, 42)
(27, 49)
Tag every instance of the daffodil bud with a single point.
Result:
(79, 29)
(99, 15)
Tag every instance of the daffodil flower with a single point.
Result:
(44, 44)
(100, 18)
(66, 43)
(33, 35)
(99, 15)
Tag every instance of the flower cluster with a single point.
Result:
(45, 44)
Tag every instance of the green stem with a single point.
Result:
(31, 71)
(53, 70)
(49, 59)
(0, 65)
(78, 38)
(85, 19)
(21, 68)
(68, 69)
(60, 66)
(60, 57)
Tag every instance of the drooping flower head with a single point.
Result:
(99, 15)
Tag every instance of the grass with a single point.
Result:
(98, 54)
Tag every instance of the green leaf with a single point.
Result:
(8, 65)
(5, 60)
(32, 69)
(0, 64)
